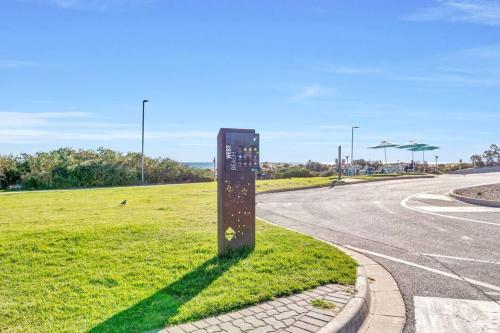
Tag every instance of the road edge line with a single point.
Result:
(404, 204)
(387, 311)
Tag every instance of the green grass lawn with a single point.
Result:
(297, 183)
(76, 261)
(293, 183)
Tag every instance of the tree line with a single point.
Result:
(67, 168)
(490, 157)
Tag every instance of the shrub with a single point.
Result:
(9, 173)
(295, 172)
(66, 167)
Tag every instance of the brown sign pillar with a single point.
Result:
(237, 162)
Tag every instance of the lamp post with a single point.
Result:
(215, 170)
(352, 143)
(339, 165)
(142, 151)
(436, 162)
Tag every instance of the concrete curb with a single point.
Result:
(355, 311)
(479, 202)
(344, 184)
(476, 170)
(381, 295)
(387, 312)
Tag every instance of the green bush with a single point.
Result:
(9, 173)
(295, 172)
(66, 168)
(328, 173)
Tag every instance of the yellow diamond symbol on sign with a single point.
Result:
(229, 234)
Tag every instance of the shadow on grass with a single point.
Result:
(153, 312)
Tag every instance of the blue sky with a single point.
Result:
(74, 72)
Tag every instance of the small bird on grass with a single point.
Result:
(123, 203)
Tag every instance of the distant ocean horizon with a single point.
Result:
(200, 165)
(210, 165)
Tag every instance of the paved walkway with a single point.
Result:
(293, 314)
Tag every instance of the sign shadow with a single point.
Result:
(155, 311)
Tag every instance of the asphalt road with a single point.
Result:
(444, 254)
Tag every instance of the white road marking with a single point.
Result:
(429, 269)
(458, 209)
(433, 197)
(434, 314)
(492, 293)
(466, 239)
(440, 229)
(460, 258)
(404, 204)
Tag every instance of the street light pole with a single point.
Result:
(352, 143)
(436, 162)
(142, 151)
(215, 170)
(339, 164)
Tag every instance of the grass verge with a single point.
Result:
(292, 183)
(77, 261)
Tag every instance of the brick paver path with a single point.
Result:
(285, 314)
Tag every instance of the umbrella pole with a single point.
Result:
(385, 155)
(423, 159)
(413, 161)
